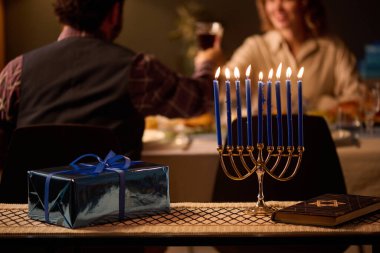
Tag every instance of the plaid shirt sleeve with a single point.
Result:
(10, 80)
(155, 89)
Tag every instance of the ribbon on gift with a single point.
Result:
(112, 162)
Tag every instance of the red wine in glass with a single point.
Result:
(206, 40)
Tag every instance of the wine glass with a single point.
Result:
(207, 33)
(371, 106)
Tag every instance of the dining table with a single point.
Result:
(361, 164)
(193, 220)
(203, 224)
(193, 164)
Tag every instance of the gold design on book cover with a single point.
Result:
(323, 203)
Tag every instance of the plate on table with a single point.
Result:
(340, 134)
(153, 136)
(343, 137)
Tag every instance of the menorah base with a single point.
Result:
(260, 209)
(241, 160)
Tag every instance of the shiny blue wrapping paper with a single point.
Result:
(78, 200)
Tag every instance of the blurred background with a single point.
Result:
(162, 27)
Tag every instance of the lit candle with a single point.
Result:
(228, 102)
(217, 111)
(278, 103)
(238, 107)
(260, 109)
(300, 112)
(289, 106)
(249, 105)
(269, 108)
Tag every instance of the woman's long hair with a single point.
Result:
(314, 16)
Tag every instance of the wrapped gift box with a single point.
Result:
(78, 198)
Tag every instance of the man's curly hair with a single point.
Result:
(83, 15)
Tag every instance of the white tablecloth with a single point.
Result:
(192, 171)
(361, 166)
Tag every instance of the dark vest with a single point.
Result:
(83, 81)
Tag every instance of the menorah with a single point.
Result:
(252, 159)
(243, 154)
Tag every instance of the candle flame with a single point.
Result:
(288, 72)
(236, 73)
(278, 72)
(270, 75)
(217, 73)
(261, 76)
(227, 73)
(248, 71)
(300, 73)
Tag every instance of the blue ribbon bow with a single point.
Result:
(112, 162)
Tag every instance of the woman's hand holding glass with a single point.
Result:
(209, 37)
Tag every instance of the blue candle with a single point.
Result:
(278, 103)
(228, 102)
(238, 107)
(217, 111)
(300, 112)
(289, 107)
(248, 105)
(269, 109)
(260, 109)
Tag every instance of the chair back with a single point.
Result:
(42, 146)
(320, 171)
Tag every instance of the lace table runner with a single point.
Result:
(185, 219)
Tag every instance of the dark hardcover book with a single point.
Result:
(328, 210)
